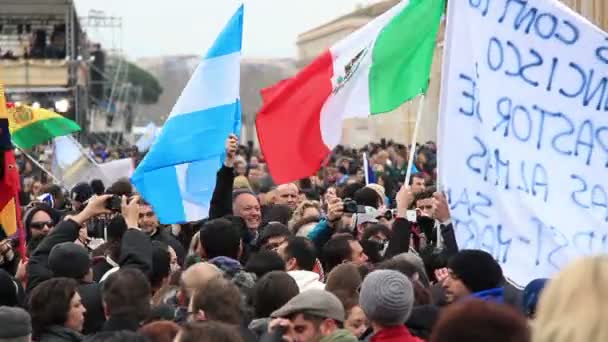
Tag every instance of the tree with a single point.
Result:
(151, 88)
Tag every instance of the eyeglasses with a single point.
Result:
(41, 225)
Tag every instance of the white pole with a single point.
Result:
(366, 168)
(33, 160)
(408, 174)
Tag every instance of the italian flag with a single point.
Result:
(34, 126)
(372, 71)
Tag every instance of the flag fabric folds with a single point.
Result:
(10, 213)
(71, 165)
(147, 139)
(30, 127)
(177, 176)
(372, 71)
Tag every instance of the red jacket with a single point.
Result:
(395, 334)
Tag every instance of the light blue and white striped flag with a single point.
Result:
(177, 176)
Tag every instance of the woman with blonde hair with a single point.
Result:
(304, 210)
(572, 307)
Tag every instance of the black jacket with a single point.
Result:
(136, 251)
(221, 201)
(120, 322)
(165, 237)
(58, 333)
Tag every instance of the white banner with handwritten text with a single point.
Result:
(523, 133)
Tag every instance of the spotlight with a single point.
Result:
(62, 106)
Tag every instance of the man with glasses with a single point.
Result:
(38, 221)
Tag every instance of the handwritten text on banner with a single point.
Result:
(524, 133)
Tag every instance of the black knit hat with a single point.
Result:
(477, 269)
(69, 260)
(81, 192)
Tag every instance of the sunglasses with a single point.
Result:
(40, 225)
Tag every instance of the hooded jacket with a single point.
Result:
(307, 280)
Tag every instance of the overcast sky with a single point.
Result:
(170, 27)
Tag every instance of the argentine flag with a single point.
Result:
(177, 176)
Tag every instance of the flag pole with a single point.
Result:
(33, 160)
(408, 174)
(366, 168)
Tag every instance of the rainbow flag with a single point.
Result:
(30, 127)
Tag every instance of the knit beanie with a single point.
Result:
(14, 323)
(387, 297)
(69, 260)
(476, 269)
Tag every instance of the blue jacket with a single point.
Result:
(494, 295)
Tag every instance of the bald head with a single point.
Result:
(287, 194)
(247, 206)
(197, 276)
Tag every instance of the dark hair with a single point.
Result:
(400, 265)
(116, 336)
(433, 259)
(336, 251)
(263, 262)
(349, 190)
(49, 303)
(161, 331)
(428, 193)
(98, 187)
(209, 331)
(121, 187)
(220, 300)
(344, 277)
(127, 292)
(491, 321)
(376, 229)
(220, 237)
(237, 193)
(301, 223)
(368, 197)
(416, 175)
(161, 264)
(303, 251)
(54, 190)
(273, 229)
(276, 213)
(349, 300)
(273, 291)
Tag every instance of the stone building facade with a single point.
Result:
(399, 124)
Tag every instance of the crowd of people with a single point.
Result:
(327, 258)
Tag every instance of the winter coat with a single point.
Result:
(259, 326)
(394, 334)
(57, 333)
(245, 281)
(339, 336)
(136, 251)
(307, 280)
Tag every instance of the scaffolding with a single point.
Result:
(119, 100)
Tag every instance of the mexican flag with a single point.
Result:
(372, 71)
